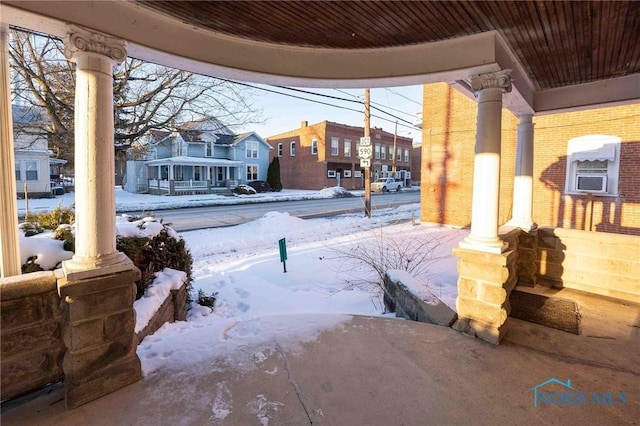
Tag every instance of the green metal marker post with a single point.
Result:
(282, 245)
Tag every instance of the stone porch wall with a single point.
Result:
(173, 309)
(31, 332)
(485, 282)
(32, 328)
(596, 262)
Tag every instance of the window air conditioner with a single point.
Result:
(591, 183)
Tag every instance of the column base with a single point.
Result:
(496, 246)
(80, 268)
(98, 333)
(484, 285)
(522, 224)
(486, 332)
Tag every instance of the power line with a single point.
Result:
(403, 96)
(344, 100)
(410, 126)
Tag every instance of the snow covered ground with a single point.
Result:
(256, 299)
(128, 202)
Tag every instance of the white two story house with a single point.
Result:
(34, 167)
(200, 157)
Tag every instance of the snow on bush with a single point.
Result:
(43, 249)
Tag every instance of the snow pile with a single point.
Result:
(334, 192)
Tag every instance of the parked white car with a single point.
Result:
(386, 184)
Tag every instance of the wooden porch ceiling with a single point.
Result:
(558, 43)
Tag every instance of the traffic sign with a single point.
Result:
(365, 162)
(365, 141)
(365, 151)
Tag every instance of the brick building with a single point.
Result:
(326, 154)
(601, 146)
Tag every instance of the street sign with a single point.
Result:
(365, 162)
(365, 141)
(364, 152)
(282, 246)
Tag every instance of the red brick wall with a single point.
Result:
(448, 153)
(610, 214)
(448, 144)
(307, 171)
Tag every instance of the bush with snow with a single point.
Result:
(151, 245)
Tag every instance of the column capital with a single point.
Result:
(493, 80)
(83, 40)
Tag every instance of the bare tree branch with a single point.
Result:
(146, 96)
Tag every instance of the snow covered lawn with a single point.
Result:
(258, 301)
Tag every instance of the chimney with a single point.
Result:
(304, 124)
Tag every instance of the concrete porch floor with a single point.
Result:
(382, 371)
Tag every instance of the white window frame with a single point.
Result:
(331, 173)
(347, 173)
(18, 167)
(383, 152)
(292, 148)
(280, 150)
(249, 167)
(335, 146)
(347, 148)
(209, 149)
(406, 155)
(590, 148)
(251, 149)
(314, 147)
(36, 165)
(377, 152)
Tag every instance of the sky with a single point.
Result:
(256, 300)
(283, 113)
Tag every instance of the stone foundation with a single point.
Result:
(484, 285)
(31, 333)
(99, 335)
(407, 303)
(595, 262)
(174, 308)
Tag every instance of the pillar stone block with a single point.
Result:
(484, 285)
(479, 310)
(98, 333)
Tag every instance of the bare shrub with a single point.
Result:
(385, 250)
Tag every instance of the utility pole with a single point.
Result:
(367, 170)
(395, 151)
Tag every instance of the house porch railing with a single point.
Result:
(175, 187)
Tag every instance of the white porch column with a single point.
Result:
(95, 56)
(9, 242)
(486, 173)
(523, 182)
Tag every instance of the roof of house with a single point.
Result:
(193, 161)
(28, 114)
